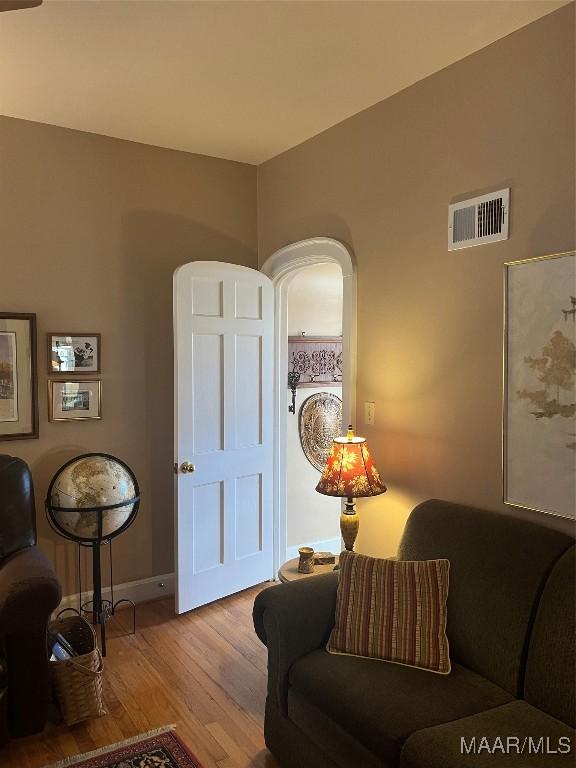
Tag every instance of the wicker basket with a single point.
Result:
(78, 681)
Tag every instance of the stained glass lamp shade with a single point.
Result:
(350, 473)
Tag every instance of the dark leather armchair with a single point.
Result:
(29, 592)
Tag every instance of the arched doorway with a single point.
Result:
(281, 267)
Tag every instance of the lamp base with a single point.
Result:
(349, 524)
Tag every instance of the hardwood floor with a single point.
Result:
(205, 671)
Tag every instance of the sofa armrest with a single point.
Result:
(292, 620)
(29, 590)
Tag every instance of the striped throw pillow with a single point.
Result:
(392, 610)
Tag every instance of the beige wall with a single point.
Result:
(429, 321)
(91, 230)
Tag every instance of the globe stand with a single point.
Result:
(107, 612)
(121, 495)
(100, 609)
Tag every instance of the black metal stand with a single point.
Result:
(100, 609)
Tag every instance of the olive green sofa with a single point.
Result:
(509, 700)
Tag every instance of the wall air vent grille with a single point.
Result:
(480, 220)
(464, 224)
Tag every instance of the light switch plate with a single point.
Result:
(369, 409)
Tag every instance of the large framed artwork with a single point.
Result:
(539, 414)
(18, 385)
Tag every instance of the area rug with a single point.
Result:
(148, 750)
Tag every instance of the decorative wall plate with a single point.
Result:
(319, 423)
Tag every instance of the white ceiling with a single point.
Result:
(239, 80)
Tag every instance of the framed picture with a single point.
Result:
(539, 413)
(18, 383)
(74, 400)
(73, 353)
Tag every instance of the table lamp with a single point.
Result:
(350, 473)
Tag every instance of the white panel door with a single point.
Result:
(223, 348)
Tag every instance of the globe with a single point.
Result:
(88, 487)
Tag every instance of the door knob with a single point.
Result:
(186, 468)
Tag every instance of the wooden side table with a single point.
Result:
(289, 571)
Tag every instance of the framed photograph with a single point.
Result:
(73, 353)
(539, 407)
(74, 400)
(18, 383)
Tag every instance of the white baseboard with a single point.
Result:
(325, 545)
(139, 591)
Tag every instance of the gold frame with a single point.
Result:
(53, 418)
(506, 265)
